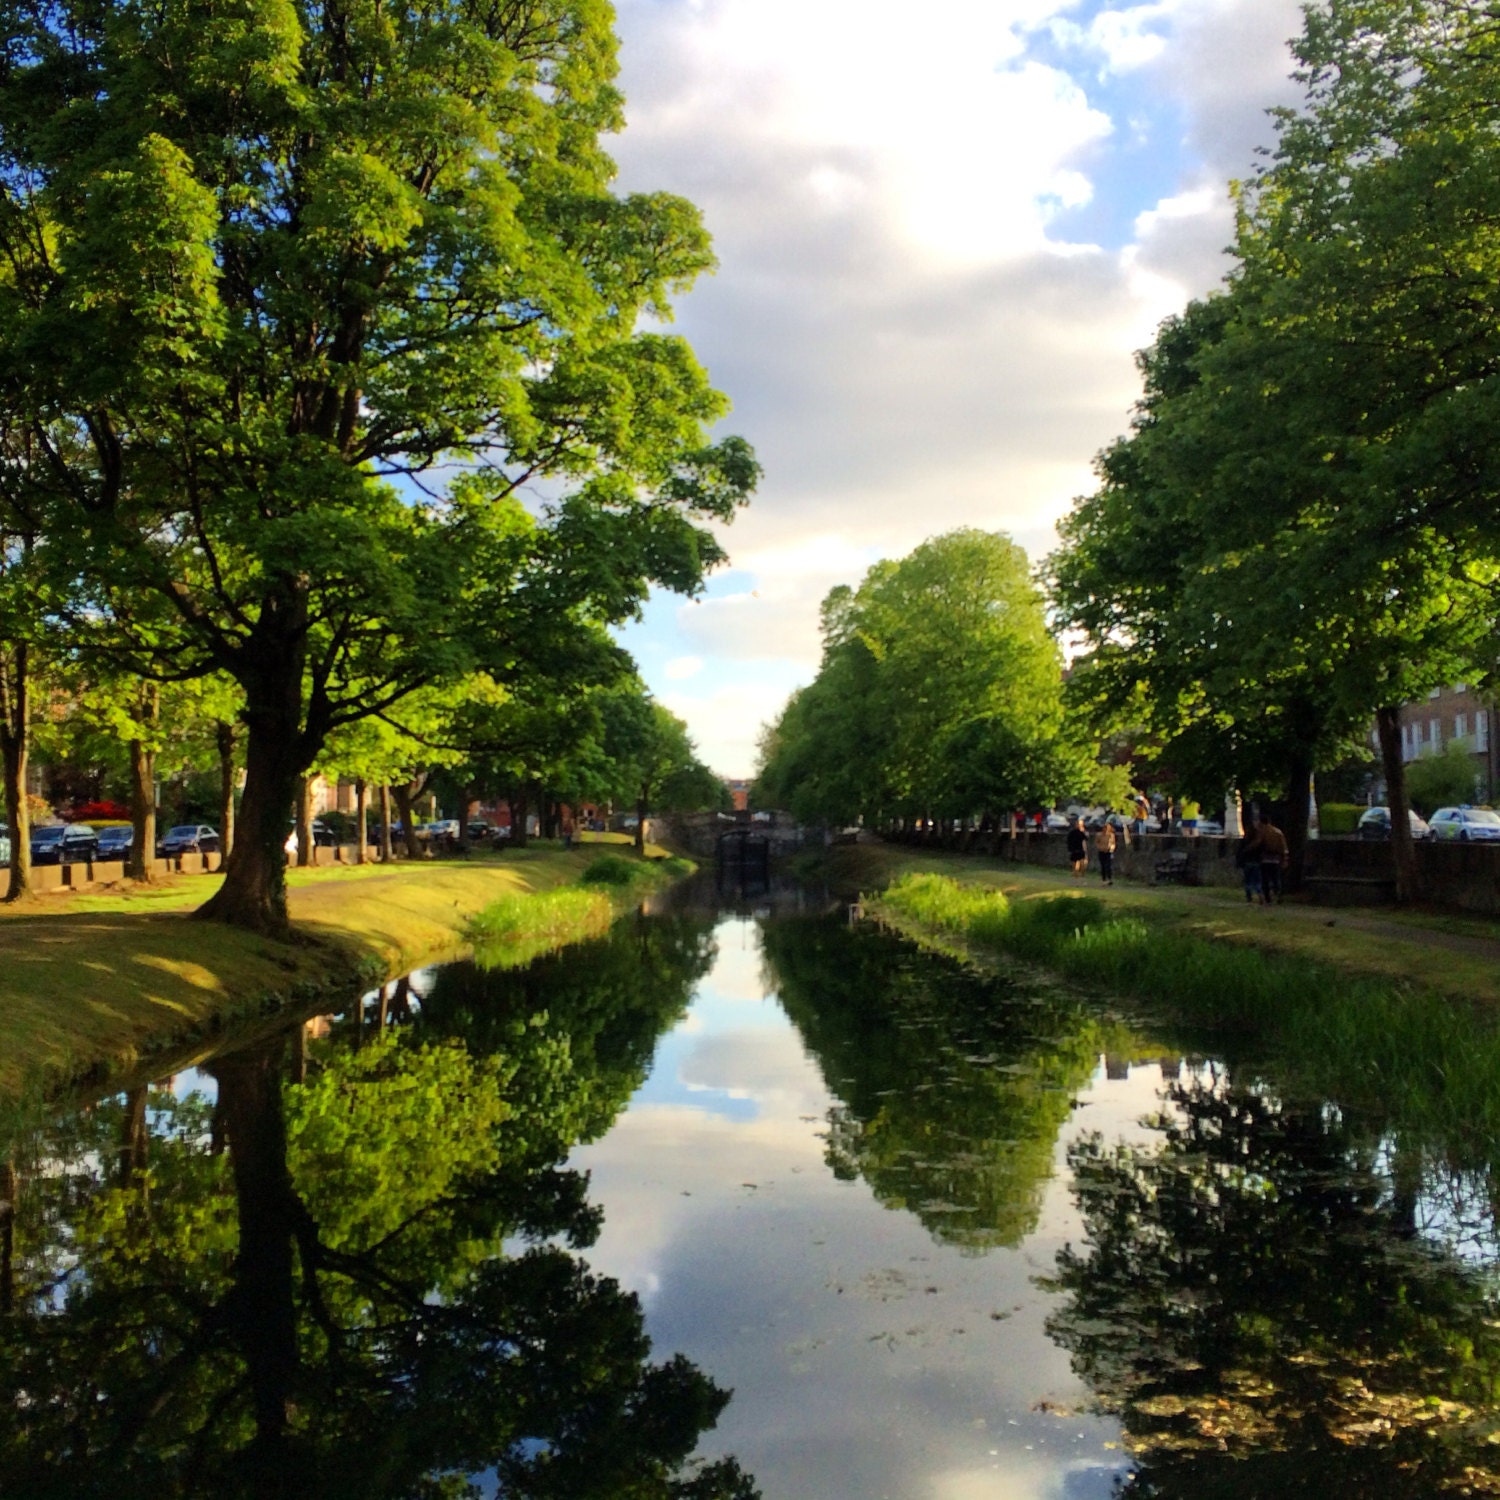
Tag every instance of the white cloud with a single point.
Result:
(680, 668)
(911, 338)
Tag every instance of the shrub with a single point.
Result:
(611, 869)
(1338, 817)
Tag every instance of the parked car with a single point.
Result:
(478, 829)
(4, 844)
(1466, 824)
(1375, 823)
(1209, 828)
(1056, 822)
(115, 843)
(63, 844)
(440, 828)
(322, 836)
(188, 838)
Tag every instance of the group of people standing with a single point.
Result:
(1261, 855)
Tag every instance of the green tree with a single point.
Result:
(939, 694)
(1443, 778)
(259, 268)
(651, 759)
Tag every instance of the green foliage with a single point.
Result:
(1430, 1062)
(1339, 817)
(1444, 778)
(611, 869)
(517, 928)
(938, 694)
(259, 273)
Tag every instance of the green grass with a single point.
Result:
(1428, 1062)
(92, 985)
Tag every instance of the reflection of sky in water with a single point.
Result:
(867, 1360)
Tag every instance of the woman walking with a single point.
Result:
(1104, 847)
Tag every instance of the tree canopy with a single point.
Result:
(939, 694)
(267, 277)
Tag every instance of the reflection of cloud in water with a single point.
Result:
(866, 1358)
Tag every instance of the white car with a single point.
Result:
(1466, 824)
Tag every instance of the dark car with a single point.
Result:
(115, 843)
(1375, 823)
(189, 838)
(63, 844)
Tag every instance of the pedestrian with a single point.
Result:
(1104, 847)
(1247, 857)
(1078, 848)
(1273, 853)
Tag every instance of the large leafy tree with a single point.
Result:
(1306, 504)
(261, 266)
(939, 693)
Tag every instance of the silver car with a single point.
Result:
(1466, 825)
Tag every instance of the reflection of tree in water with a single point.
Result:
(1252, 1300)
(326, 1306)
(954, 1085)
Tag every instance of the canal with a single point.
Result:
(743, 1199)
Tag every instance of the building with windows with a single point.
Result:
(1452, 715)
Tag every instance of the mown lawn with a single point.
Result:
(91, 983)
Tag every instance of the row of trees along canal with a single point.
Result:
(294, 311)
(1298, 534)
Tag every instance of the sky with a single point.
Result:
(942, 234)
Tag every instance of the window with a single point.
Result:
(1460, 726)
(1482, 729)
(1434, 692)
(1406, 750)
(1435, 734)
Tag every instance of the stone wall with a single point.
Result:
(1344, 871)
(82, 876)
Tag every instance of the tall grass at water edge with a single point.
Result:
(517, 928)
(1425, 1061)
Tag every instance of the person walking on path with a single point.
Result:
(1247, 857)
(1078, 849)
(1272, 861)
(1104, 847)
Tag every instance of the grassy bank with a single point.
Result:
(1425, 1061)
(1454, 956)
(91, 987)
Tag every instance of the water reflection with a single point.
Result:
(304, 1289)
(1255, 1298)
(912, 1215)
(952, 1086)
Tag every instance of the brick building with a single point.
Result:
(1452, 714)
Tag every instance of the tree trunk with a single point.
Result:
(406, 795)
(1295, 818)
(304, 822)
(361, 818)
(518, 836)
(142, 812)
(464, 802)
(1403, 853)
(387, 853)
(263, 1303)
(225, 735)
(15, 742)
(254, 891)
(641, 803)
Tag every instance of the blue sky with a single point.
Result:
(942, 235)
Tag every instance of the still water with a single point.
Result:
(741, 1202)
